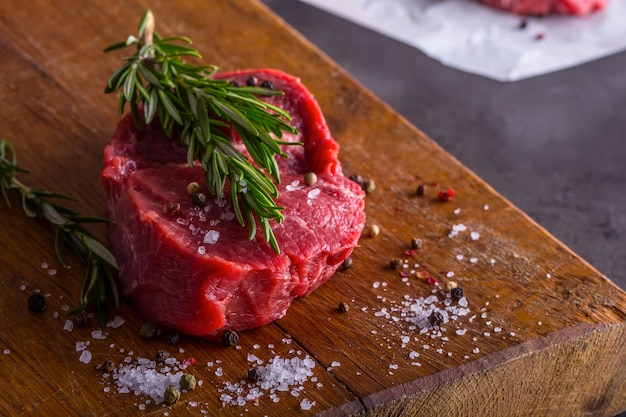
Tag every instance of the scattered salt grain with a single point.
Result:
(473, 260)
(461, 332)
(116, 322)
(97, 334)
(306, 404)
(44, 265)
(65, 307)
(457, 211)
(52, 272)
(85, 356)
(201, 250)
(460, 257)
(314, 193)
(293, 186)
(476, 350)
(335, 364)
(486, 207)
(456, 229)
(376, 284)
(548, 276)
(475, 235)
(22, 287)
(211, 237)
(68, 326)
(6, 351)
(143, 378)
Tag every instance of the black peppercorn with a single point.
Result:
(161, 355)
(253, 375)
(80, 319)
(357, 178)
(420, 190)
(268, 84)
(199, 199)
(347, 263)
(395, 263)
(252, 81)
(106, 366)
(230, 338)
(416, 243)
(36, 302)
(457, 293)
(435, 318)
(343, 307)
(172, 337)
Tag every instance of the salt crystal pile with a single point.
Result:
(278, 375)
(143, 378)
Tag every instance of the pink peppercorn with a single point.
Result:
(446, 195)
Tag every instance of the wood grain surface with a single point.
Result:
(546, 333)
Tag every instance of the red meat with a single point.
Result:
(196, 271)
(546, 7)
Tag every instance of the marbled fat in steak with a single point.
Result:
(545, 7)
(196, 271)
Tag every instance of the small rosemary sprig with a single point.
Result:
(99, 284)
(201, 109)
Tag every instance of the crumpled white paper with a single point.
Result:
(466, 35)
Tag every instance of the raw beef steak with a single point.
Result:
(196, 271)
(545, 7)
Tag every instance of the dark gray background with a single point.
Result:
(553, 145)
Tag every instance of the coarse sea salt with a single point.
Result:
(85, 356)
(278, 375)
(211, 237)
(116, 322)
(145, 378)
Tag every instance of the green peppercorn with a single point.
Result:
(193, 188)
(171, 395)
(188, 382)
(147, 331)
(310, 178)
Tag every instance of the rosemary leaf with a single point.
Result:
(197, 109)
(98, 284)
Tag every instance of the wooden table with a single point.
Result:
(545, 334)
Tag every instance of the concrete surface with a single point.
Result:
(554, 145)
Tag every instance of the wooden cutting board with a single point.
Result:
(545, 335)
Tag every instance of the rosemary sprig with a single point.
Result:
(201, 109)
(99, 284)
